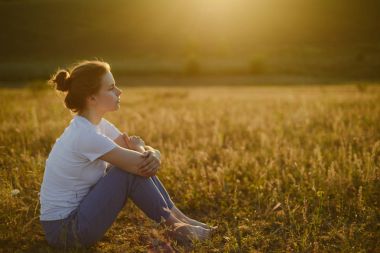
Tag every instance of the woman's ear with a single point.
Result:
(91, 99)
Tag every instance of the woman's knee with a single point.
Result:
(120, 172)
(130, 179)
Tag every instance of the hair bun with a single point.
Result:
(61, 80)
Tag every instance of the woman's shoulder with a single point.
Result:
(106, 125)
(79, 123)
(77, 130)
(105, 122)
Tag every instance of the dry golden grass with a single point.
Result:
(276, 168)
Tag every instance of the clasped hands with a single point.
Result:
(151, 158)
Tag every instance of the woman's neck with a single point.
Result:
(91, 116)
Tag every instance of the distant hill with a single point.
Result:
(284, 35)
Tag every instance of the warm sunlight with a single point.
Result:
(189, 126)
(211, 24)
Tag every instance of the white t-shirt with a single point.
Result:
(73, 166)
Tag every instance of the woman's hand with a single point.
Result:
(134, 142)
(151, 164)
(156, 152)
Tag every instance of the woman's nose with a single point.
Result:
(119, 91)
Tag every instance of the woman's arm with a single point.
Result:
(121, 141)
(145, 165)
(133, 143)
(151, 160)
(156, 152)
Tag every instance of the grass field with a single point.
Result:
(278, 169)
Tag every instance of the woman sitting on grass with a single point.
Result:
(80, 198)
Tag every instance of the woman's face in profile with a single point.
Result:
(108, 97)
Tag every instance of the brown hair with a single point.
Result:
(80, 81)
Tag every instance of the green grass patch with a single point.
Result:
(278, 169)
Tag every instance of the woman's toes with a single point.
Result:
(203, 225)
(187, 233)
(213, 228)
(203, 233)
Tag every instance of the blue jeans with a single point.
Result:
(99, 208)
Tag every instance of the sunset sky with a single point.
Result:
(313, 34)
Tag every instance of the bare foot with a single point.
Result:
(198, 223)
(182, 217)
(185, 232)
